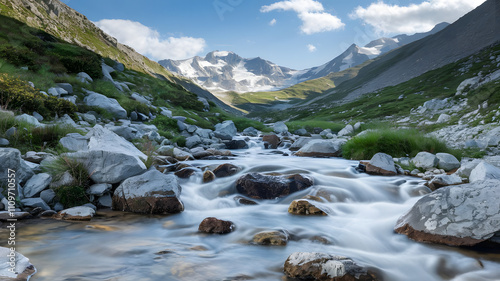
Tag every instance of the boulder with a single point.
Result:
(325, 267)
(75, 142)
(321, 148)
(346, 131)
(484, 171)
(443, 118)
(81, 213)
(466, 167)
(425, 160)
(270, 238)
(66, 86)
(280, 127)
(206, 105)
(149, 193)
(128, 133)
(36, 157)
(6, 216)
(182, 155)
(272, 140)
(357, 126)
(204, 133)
(89, 118)
(35, 202)
(166, 112)
(48, 196)
(213, 225)
(208, 176)
(226, 170)
(102, 139)
(193, 141)
(260, 186)
(381, 164)
(28, 119)
(65, 179)
(444, 180)
(99, 189)
(23, 268)
(84, 78)
(10, 158)
(447, 162)
(299, 143)
(4, 142)
(301, 132)
(185, 173)
(12, 131)
(225, 130)
(139, 98)
(459, 215)
(305, 207)
(57, 91)
(109, 104)
(38, 116)
(36, 184)
(237, 144)
(251, 132)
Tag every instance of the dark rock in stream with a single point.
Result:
(236, 144)
(226, 170)
(185, 173)
(213, 225)
(208, 176)
(271, 238)
(305, 207)
(325, 267)
(272, 140)
(260, 186)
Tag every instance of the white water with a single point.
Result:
(359, 225)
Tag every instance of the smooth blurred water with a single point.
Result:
(362, 215)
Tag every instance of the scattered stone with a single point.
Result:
(99, 189)
(301, 132)
(208, 176)
(48, 196)
(36, 184)
(304, 207)
(48, 214)
(459, 215)
(225, 130)
(149, 193)
(280, 127)
(84, 78)
(272, 140)
(66, 86)
(447, 162)
(35, 202)
(443, 118)
(10, 158)
(236, 144)
(181, 155)
(226, 170)
(381, 164)
(425, 160)
(109, 104)
(347, 131)
(357, 126)
(466, 167)
(81, 213)
(251, 131)
(484, 171)
(213, 225)
(6, 215)
(36, 157)
(28, 119)
(185, 173)
(260, 186)
(321, 148)
(444, 180)
(325, 267)
(38, 116)
(270, 238)
(4, 142)
(12, 131)
(244, 201)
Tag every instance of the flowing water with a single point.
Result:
(362, 214)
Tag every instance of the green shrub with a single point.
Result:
(397, 143)
(164, 123)
(71, 196)
(63, 164)
(311, 124)
(242, 123)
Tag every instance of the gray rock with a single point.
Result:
(460, 215)
(134, 116)
(484, 171)
(38, 116)
(181, 126)
(321, 148)
(191, 129)
(225, 130)
(357, 126)
(280, 127)
(139, 98)
(206, 105)
(150, 193)
(80, 213)
(182, 155)
(84, 78)
(75, 142)
(119, 66)
(58, 207)
(105, 201)
(471, 144)
(180, 118)
(325, 132)
(36, 184)
(106, 72)
(381, 164)
(127, 133)
(89, 118)
(301, 132)
(90, 205)
(443, 118)
(153, 136)
(99, 189)
(447, 161)
(193, 141)
(103, 139)
(57, 91)
(36, 157)
(71, 99)
(48, 196)
(23, 267)
(65, 179)
(28, 119)
(166, 112)
(10, 158)
(466, 168)
(250, 131)
(425, 160)
(120, 86)
(67, 121)
(299, 143)
(347, 131)
(111, 105)
(66, 86)
(444, 180)
(35, 202)
(204, 133)
(4, 142)
(11, 132)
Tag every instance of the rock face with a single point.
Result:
(111, 105)
(213, 225)
(24, 269)
(270, 238)
(304, 207)
(149, 193)
(321, 148)
(381, 164)
(260, 186)
(460, 215)
(425, 160)
(225, 130)
(325, 267)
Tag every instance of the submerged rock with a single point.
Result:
(325, 267)
(272, 140)
(208, 176)
(260, 186)
(270, 238)
(213, 225)
(305, 207)
(81, 213)
(226, 170)
(460, 215)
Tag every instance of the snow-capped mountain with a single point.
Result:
(221, 71)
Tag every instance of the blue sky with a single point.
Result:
(293, 33)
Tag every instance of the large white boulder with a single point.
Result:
(225, 130)
(322, 148)
(109, 104)
(425, 160)
(346, 131)
(484, 171)
(381, 164)
(447, 161)
(10, 158)
(103, 139)
(23, 268)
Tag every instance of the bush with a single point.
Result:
(242, 123)
(311, 124)
(397, 143)
(71, 196)
(63, 164)
(164, 123)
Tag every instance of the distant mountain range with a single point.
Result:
(221, 71)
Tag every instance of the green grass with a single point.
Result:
(309, 125)
(397, 143)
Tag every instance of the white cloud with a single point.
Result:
(415, 17)
(272, 22)
(148, 41)
(311, 48)
(311, 12)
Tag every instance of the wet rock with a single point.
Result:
(5, 215)
(299, 143)
(325, 267)
(280, 127)
(250, 131)
(270, 238)
(425, 160)
(244, 201)
(149, 193)
(444, 180)
(225, 130)
(213, 225)
(48, 214)
(484, 171)
(208, 176)
(236, 144)
(260, 186)
(304, 207)
(185, 173)
(226, 170)
(272, 140)
(447, 162)
(181, 155)
(193, 141)
(23, 268)
(321, 148)
(81, 213)
(381, 164)
(36, 184)
(460, 215)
